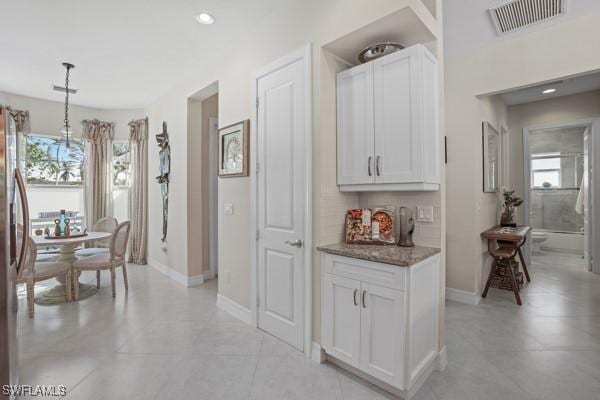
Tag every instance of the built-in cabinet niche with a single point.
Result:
(387, 123)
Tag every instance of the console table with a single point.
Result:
(504, 243)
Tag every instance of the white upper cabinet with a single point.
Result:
(356, 131)
(388, 123)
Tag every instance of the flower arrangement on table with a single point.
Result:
(510, 203)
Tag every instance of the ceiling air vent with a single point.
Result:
(519, 14)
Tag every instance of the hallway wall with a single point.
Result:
(289, 27)
(511, 61)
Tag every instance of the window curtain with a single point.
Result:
(97, 136)
(138, 193)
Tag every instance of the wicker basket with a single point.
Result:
(501, 279)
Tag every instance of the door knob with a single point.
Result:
(294, 243)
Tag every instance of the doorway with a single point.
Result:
(203, 215)
(559, 184)
(281, 200)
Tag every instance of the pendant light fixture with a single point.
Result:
(66, 131)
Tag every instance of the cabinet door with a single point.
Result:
(398, 141)
(382, 333)
(355, 127)
(341, 318)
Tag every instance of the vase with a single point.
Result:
(407, 226)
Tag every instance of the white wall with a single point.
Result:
(285, 30)
(565, 48)
(47, 116)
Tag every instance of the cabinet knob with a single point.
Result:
(354, 296)
(377, 165)
(369, 165)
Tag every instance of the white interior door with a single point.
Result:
(281, 196)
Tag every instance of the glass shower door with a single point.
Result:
(556, 169)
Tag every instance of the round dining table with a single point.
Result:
(67, 247)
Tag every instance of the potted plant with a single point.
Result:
(510, 203)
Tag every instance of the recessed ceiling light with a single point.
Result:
(548, 91)
(205, 18)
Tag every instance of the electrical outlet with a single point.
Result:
(228, 208)
(425, 213)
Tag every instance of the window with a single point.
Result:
(121, 174)
(121, 170)
(49, 162)
(546, 170)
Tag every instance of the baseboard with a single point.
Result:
(208, 275)
(423, 375)
(187, 281)
(235, 309)
(442, 360)
(195, 280)
(316, 354)
(462, 296)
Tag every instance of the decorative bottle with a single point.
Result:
(57, 231)
(407, 226)
(62, 221)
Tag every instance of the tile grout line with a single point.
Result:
(258, 356)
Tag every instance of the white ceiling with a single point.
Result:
(468, 26)
(127, 53)
(565, 87)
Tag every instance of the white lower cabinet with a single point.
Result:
(382, 333)
(381, 319)
(342, 303)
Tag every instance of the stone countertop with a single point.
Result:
(387, 254)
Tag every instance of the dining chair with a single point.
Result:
(106, 224)
(116, 257)
(34, 271)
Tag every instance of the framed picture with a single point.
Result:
(491, 159)
(233, 150)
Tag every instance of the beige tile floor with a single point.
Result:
(163, 341)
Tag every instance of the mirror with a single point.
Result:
(491, 143)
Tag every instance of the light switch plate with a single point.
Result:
(425, 213)
(228, 208)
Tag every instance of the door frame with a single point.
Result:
(594, 125)
(213, 197)
(305, 54)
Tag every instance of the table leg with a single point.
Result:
(523, 265)
(490, 277)
(58, 293)
(514, 285)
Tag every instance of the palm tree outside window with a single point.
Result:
(49, 162)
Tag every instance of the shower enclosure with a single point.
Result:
(556, 181)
